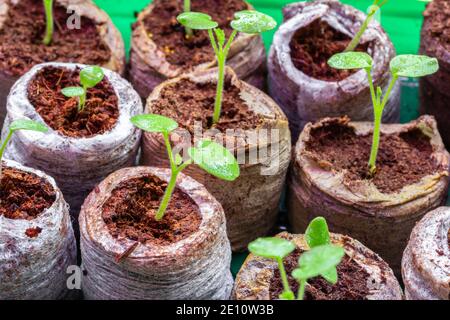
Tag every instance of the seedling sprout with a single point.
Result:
(89, 78)
(208, 155)
(21, 124)
(48, 5)
(407, 65)
(321, 260)
(247, 21)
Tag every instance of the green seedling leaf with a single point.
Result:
(414, 66)
(73, 92)
(197, 21)
(215, 159)
(317, 233)
(178, 159)
(252, 22)
(271, 248)
(318, 261)
(331, 275)
(91, 76)
(220, 34)
(25, 124)
(350, 60)
(154, 123)
(287, 295)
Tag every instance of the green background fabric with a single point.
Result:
(402, 20)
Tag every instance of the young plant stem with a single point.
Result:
(355, 41)
(48, 5)
(221, 53)
(187, 8)
(301, 290)
(82, 100)
(2, 150)
(283, 275)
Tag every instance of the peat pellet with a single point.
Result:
(435, 89)
(302, 83)
(83, 33)
(80, 148)
(330, 178)
(259, 138)
(426, 260)
(37, 243)
(362, 275)
(144, 259)
(161, 51)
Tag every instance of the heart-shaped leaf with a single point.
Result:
(317, 233)
(154, 123)
(26, 124)
(350, 60)
(414, 66)
(73, 92)
(317, 261)
(197, 21)
(252, 22)
(271, 248)
(91, 76)
(215, 159)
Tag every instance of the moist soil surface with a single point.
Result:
(61, 113)
(21, 37)
(351, 285)
(439, 13)
(403, 158)
(130, 212)
(170, 37)
(24, 195)
(188, 102)
(313, 45)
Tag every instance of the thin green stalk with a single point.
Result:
(82, 101)
(167, 195)
(375, 142)
(187, 8)
(301, 290)
(48, 5)
(283, 275)
(2, 149)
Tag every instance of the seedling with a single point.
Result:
(407, 65)
(187, 8)
(372, 11)
(251, 22)
(320, 260)
(48, 5)
(208, 155)
(89, 78)
(21, 124)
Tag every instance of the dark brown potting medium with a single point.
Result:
(24, 195)
(170, 36)
(38, 243)
(312, 47)
(131, 209)
(160, 49)
(362, 275)
(330, 178)
(435, 42)
(251, 125)
(61, 113)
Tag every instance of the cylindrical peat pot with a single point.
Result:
(362, 275)
(251, 125)
(301, 81)
(83, 34)
(37, 243)
(80, 148)
(161, 51)
(330, 178)
(435, 89)
(127, 254)
(426, 260)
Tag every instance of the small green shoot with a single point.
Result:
(320, 260)
(187, 8)
(89, 78)
(247, 21)
(21, 124)
(373, 9)
(48, 5)
(208, 155)
(407, 65)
